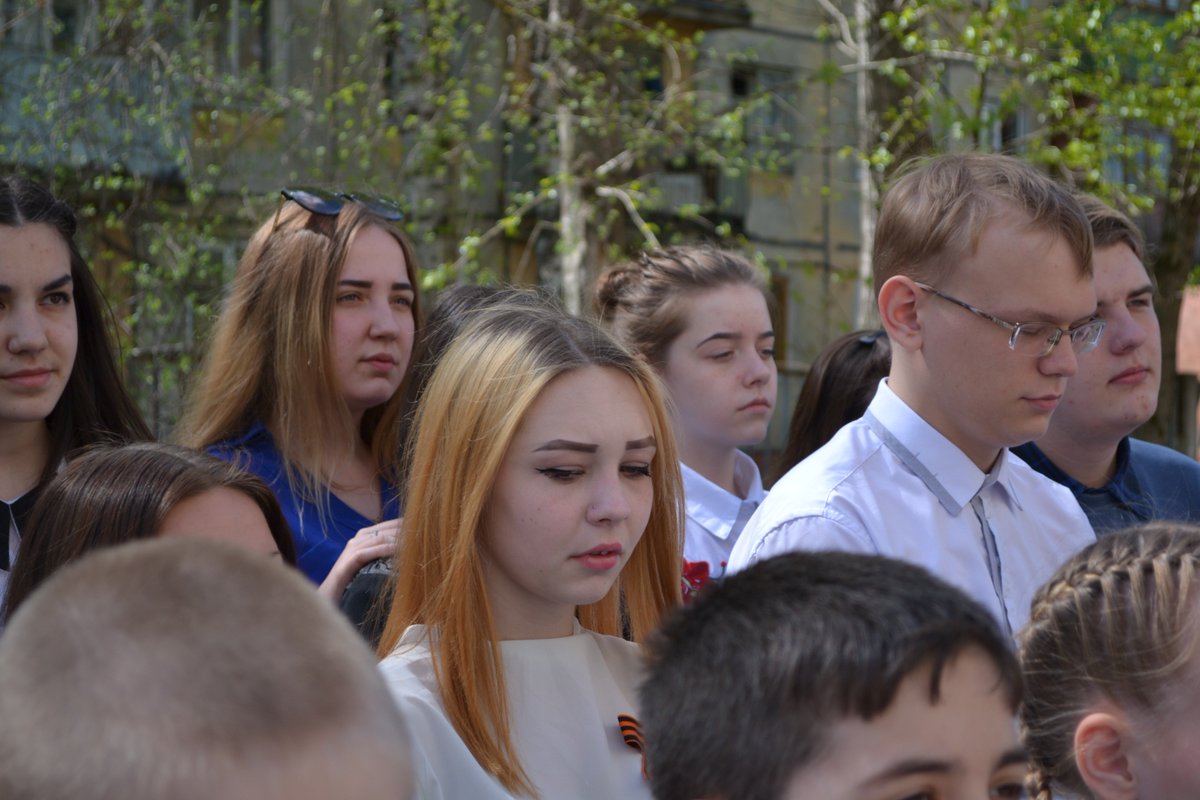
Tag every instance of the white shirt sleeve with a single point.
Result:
(810, 533)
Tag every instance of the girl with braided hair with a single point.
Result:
(1111, 669)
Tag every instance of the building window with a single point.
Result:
(43, 26)
(238, 34)
(769, 94)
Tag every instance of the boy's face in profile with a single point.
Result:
(963, 747)
(982, 395)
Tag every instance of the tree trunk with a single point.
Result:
(864, 291)
(573, 210)
(1175, 261)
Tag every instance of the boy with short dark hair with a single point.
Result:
(832, 676)
(190, 669)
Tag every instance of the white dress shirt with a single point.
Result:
(715, 517)
(890, 484)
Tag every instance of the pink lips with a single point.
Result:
(30, 378)
(1131, 376)
(601, 558)
(381, 361)
(1046, 403)
(759, 404)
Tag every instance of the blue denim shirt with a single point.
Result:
(1150, 482)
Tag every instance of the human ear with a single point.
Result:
(1102, 756)
(898, 312)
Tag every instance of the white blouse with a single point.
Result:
(564, 695)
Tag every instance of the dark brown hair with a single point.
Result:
(95, 406)
(1110, 227)
(838, 388)
(787, 649)
(115, 494)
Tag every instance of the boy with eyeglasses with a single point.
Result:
(1118, 480)
(983, 274)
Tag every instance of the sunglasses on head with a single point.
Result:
(329, 204)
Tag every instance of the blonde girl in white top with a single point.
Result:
(543, 520)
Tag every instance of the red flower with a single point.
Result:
(695, 576)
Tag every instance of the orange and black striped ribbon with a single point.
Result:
(631, 732)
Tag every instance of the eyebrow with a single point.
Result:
(357, 284)
(1132, 293)
(57, 283)
(918, 766)
(729, 336)
(583, 447)
(1030, 316)
(1017, 755)
(912, 766)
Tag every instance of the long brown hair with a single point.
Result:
(1115, 622)
(270, 361)
(111, 495)
(94, 406)
(470, 410)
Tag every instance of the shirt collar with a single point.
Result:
(939, 463)
(1123, 484)
(713, 508)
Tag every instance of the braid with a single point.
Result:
(1112, 621)
(1038, 784)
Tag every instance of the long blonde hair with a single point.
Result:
(1114, 623)
(270, 358)
(468, 416)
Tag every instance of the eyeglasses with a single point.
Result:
(1035, 339)
(329, 204)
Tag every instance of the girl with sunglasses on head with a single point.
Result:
(60, 386)
(301, 381)
(543, 513)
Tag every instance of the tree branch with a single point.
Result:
(848, 44)
(631, 209)
(500, 226)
